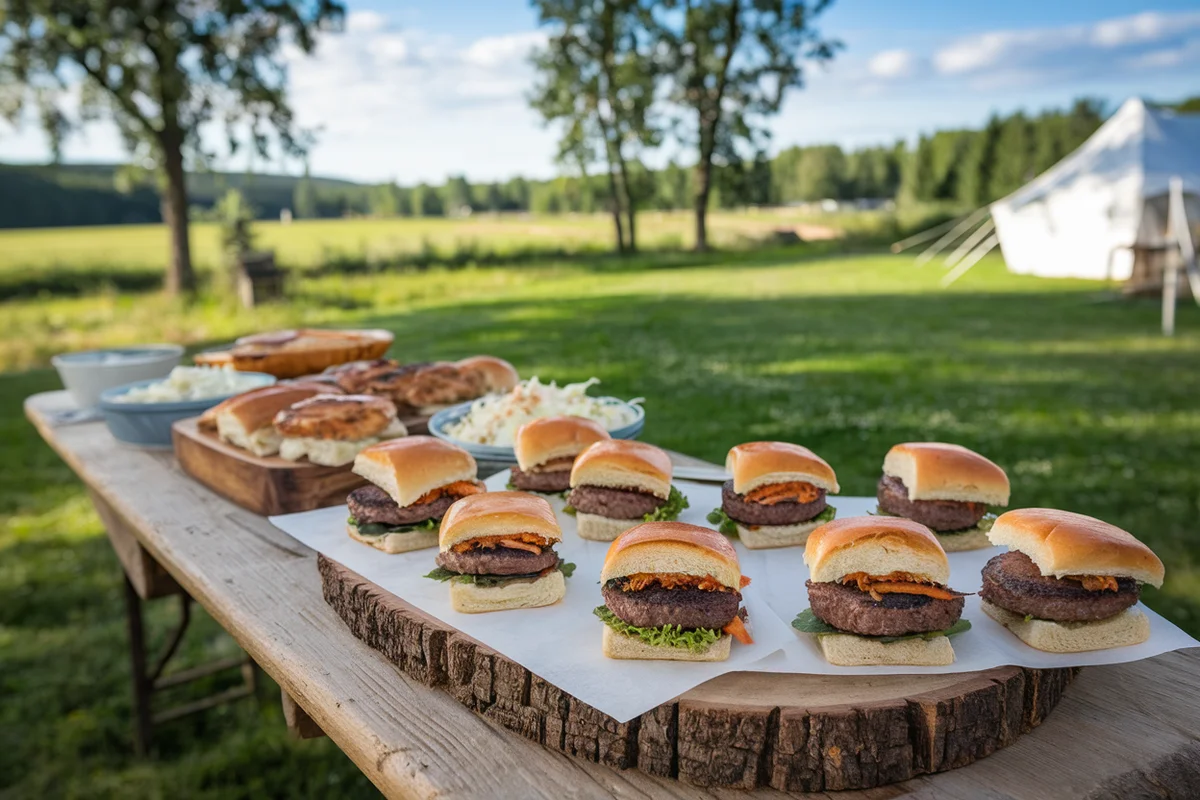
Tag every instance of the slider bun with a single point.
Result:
(469, 598)
(619, 645)
(876, 546)
(938, 471)
(624, 464)
(1062, 543)
(972, 539)
(243, 415)
(395, 542)
(762, 537)
(497, 514)
(409, 468)
(1129, 627)
(848, 650)
(596, 528)
(756, 464)
(291, 353)
(493, 374)
(673, 547)
(347, 417)
(551, 438)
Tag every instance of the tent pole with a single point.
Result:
(924, 235)
(971, 260)
(1177, 223)
(969, 243)
(958, 230)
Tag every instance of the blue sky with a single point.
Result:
(418, 90)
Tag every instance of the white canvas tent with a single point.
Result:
(1080, 218)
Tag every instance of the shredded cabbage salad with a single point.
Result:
(494, 419)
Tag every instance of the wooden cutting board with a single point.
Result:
(806, 733)
(266, 485)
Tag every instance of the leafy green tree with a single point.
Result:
(160, 70)
(426, 201)
(596, 79)
(731, 62)
(456, 196)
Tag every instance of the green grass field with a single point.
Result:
(1074, 393)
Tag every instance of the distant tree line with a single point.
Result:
(964, 167)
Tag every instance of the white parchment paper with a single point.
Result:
(561, 643)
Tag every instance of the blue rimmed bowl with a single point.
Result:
(149, 424)
(443, 419)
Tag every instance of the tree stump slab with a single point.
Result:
(808, 733)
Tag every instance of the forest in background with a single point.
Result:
(963, 167)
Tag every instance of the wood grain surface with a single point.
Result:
(1129, 730)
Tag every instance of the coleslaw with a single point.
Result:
(494, 419)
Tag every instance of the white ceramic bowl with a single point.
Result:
(86, 374)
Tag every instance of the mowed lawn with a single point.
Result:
(1075, 394)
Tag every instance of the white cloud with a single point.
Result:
(892, 64)
(494, 51)
(365, 22)
(1168, 57)
(1068, 49)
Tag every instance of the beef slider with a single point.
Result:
(498, 561)
(655, 606)
(1012, 581)
(370, 504)
(787, 512)
(613, 503)
(546, 482)
(940, 515)
(849, 609)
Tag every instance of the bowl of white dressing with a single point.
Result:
(88, 373)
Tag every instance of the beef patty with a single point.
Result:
(1012, 581)
(548, 482)
(370, 504)
(748, 512)
(498, 561)
(613, 503)
(687, 608)
(848, 609)
(941, 515)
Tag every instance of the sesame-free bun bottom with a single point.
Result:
(468, 598)
(395, 542)
(1129, 627)
(848, 650)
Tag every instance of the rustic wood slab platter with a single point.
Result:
(743, 730)
(266, 485)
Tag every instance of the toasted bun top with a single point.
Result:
(756, 464)
(550, 438)
(494, 374)
(673, 547)
(939, 471)
(497, 514)
(410, 467)
(876, 546)
(255, 410)
(1062, 543)
(624, 464)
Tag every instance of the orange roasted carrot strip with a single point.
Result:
(737, 629)
(458, 488)
(913, 588)
(1097, 583)
(745, 581)
(799, 491)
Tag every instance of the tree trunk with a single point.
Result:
(700, 195)
(181, 278)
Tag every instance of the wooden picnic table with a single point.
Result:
(1124, 731)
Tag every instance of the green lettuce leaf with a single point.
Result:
(569, 509)
(697, 640)
(724, 524)
(669, 510)
(382, 528)
(512, 487)
(443, 574)
(728, 527)
(808, 622)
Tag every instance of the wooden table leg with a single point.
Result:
(142, 687)
(299, 724)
